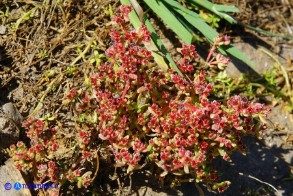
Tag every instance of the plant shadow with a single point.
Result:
(254, 174)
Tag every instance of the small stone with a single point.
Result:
(12, 113)
(10, 119)
(9, 133)
(9, 176)
(2, 30)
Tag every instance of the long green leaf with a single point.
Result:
(168, 17)
(194, 19)
(216, 7)
(210, 6)
(207, 31)
(161, 47)
(226, 8)
(219, 10)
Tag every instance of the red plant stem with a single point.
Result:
(76, 163)
(177, 166)
(64, 179)
(35, 170)
(210, 53)
(125, 89)
(192, 107)
(42, 179)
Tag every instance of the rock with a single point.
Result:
(12, 113)
(9, 133)
(17, 94)
(2, 30)
(9, 174)
(10, 119)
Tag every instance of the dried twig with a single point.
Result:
(266, 183)
(199, 189)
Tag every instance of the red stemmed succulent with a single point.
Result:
(142, 113)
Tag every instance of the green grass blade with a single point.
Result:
(219, 10)
(210, 33)
(226, 8)
(161, 46)
(194, 19)
(170, 19)
(209, 6)
(232, 50)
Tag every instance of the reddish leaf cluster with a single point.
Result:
(183, 131)
(140, 112)
(43, 144)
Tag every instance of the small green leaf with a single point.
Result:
(222, 152)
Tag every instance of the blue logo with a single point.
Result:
(17, 186)
(7, 186)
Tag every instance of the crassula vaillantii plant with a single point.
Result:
(143, 114)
